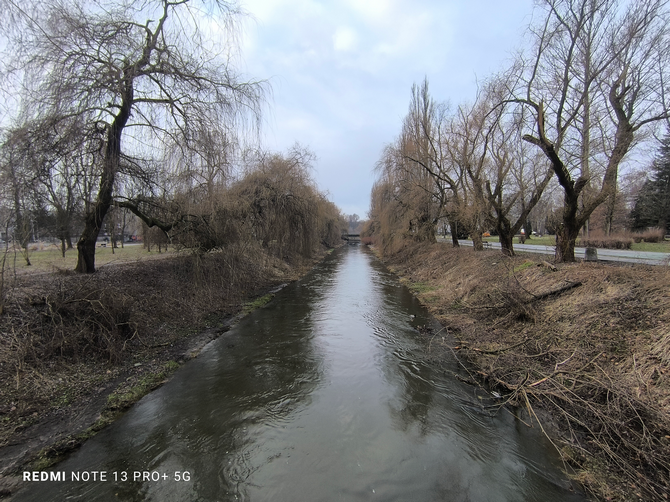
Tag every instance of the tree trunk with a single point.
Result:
(26, 256)
(21, 232)
(609, 213)
(528, 228)
(477, 242)
(566, 236)
(506, 242)
(146, 238)
(505, 232)
(123, 226)
(453, 224)
(64, 237)
(94, 219)
(86, 251)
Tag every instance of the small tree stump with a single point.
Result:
(591, 254)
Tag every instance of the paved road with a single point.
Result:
(642, 257)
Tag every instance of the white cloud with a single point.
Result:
(342, 71)
(345, 39)
(372, 11)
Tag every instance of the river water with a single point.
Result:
(325, 394)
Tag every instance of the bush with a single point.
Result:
(617, 241)
(275, 203)
(651, 235)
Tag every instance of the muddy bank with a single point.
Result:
(77, 351)
(585, 347)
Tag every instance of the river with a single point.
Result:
(325, 394)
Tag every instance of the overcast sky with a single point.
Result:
(341, 72)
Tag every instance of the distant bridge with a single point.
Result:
(352, 238)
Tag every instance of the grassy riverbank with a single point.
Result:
(550, 240)
(77, 351)
(586, 347)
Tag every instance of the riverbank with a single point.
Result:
(584, 346)
(77, 351)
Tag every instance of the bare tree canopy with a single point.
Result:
(598, 81)
(469, 168)
(141, 75)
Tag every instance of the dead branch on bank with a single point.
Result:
(600, 417)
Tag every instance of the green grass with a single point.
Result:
(654, 247)
(257, 303)
(545, 240)
(523, 266)
(49, 259)
(122, 400)
(420, 287)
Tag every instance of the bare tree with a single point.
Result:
(470, 134)
(516, 179)
(424, 160)
(58, 154)
(461, 166)
(141, 73)
(19, 187)
(353, 222)
(597, 79)
(274, 204)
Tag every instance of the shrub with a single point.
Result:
(617, 241)
(651, 235)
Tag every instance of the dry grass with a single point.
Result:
(74, 317)
(589, 343)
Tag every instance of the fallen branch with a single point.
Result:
(565, 372)
(558, 291)
(481, 351)
(550, 266)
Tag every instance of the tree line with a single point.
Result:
(652, 205)
(563, 117)
(122, 107)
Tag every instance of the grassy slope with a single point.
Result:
(595, 356)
